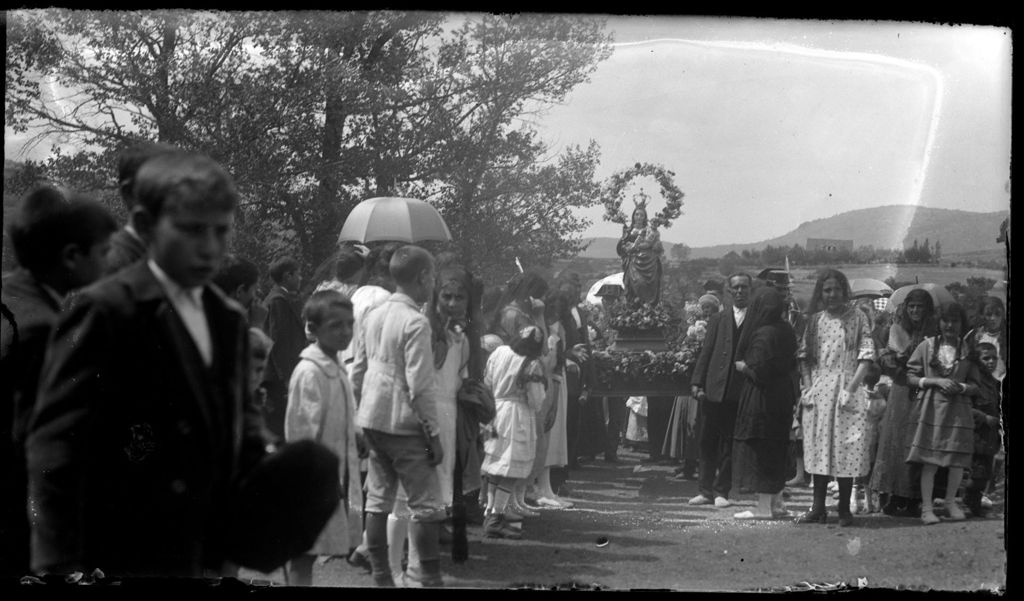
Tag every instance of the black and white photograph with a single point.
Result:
(381, 298)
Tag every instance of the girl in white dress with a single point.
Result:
(835, 353)
(516, 377)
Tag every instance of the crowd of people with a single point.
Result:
(146, 384)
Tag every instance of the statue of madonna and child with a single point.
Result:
(641, 251)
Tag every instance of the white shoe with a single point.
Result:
(985, 501)
(550, 503)
(722, 502)
(700, 500)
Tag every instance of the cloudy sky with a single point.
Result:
(769, 123)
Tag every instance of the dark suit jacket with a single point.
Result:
(125, 250)
(32, 312)
(715, 370)
(135, 445)
(285, 327)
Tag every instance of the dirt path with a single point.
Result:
(657, 541)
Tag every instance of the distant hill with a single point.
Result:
(893, 226)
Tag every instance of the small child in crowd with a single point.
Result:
(877, 393)
(986, 429)
(322, 407)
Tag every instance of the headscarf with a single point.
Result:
(766, 308)
(906, 338)
(709, 298)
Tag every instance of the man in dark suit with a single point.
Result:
(144, 422)
(126, 245)
(579, 374)
(60, 244)
(716, 385)
(286, 328)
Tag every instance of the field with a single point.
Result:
(804, 277)
(591, 270)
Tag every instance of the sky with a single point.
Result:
(768, 123)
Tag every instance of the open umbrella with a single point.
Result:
(614, 279)
(940, 295)
(867, 287)
(393, 218)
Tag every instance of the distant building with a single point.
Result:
(829, 244)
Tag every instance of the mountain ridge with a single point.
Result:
(888, 226)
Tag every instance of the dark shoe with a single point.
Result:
(845, 519)
(357, 559)
(814, 516)
(611, 458)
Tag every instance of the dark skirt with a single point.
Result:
(764, 417)
(944, 433)
(759, 465)
(891, 474)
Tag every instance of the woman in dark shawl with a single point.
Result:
(767, 348)
(891, 475)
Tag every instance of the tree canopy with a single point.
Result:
(312, 112)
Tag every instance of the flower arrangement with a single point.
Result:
(640, 315)
(674, 365)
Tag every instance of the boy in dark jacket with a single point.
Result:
(986, 429)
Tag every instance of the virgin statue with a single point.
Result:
(641, 251)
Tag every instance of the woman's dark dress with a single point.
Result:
(765, 412)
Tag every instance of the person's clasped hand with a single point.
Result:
(435, 454)
(947, 385)
(847, 400)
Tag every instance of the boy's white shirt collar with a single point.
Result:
(188, 303)
(174, 289)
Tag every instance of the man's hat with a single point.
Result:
(713, 286)
(282, 505)
(775, 276)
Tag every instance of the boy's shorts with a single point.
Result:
(394, 459)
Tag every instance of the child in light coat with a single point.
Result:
(322, 407)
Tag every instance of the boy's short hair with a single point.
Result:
(281, 268)
(47, 220)
(129, 162)
(315, 310)
(175, 179)
(259, 343)
(235, 272)
(347, 263)
(982, 347)
(408, 262)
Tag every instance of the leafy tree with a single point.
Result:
(312, 112)
(680, 252)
